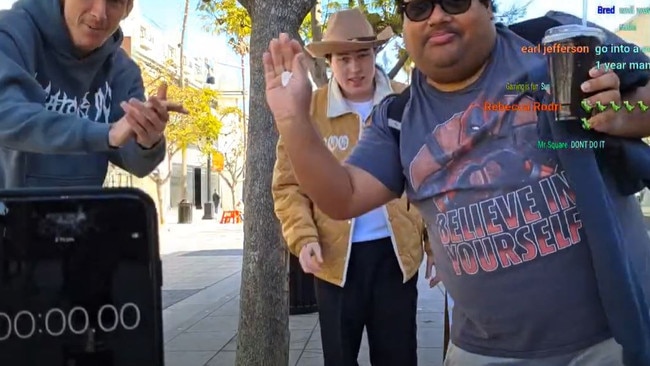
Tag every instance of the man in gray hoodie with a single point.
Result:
(71, 100)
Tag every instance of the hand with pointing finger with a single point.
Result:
(149, 119)
(310, 258)
(290, 101)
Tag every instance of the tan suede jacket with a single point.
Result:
(302, 222)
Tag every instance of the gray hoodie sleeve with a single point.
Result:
(132, 157)
(25, 124)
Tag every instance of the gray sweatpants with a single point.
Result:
(607, 353)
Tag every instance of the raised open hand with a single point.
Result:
(289, 100)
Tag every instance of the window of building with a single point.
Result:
(171, 52)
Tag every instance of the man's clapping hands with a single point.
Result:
(145, 121)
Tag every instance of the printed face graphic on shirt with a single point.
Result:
(499, 201)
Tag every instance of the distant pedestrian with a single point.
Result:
(215, 201)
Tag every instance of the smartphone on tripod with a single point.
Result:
(80, 278)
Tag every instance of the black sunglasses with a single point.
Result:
(419, 10)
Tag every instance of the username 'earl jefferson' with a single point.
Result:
(554, 48)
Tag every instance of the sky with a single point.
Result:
(168, 15)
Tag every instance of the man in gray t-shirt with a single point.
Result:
(502, 212)
(508, 239)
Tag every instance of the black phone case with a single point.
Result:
(79, 193)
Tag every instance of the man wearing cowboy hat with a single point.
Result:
(365, 268)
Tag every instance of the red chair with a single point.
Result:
(231, 217)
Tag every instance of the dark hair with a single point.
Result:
(328, 57)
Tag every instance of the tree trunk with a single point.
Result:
(263, 337)
(243, 96)
(184, 173)
(181, 84)
(159, 196)
(232, 196)
(319, 71)
(181, 64)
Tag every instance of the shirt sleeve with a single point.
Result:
(378, 150)
(132, 157)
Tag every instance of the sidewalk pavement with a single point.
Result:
(202, 274)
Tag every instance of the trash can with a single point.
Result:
(208, 211)
(185, 210)
(302, 294)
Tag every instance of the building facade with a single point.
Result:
(152, 47)
(637, 30)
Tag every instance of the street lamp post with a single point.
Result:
(243, 98)
(242, 69)
(211, 80)
(208, 208)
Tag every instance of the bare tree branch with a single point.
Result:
(398, 66)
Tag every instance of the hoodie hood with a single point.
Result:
(47, 16)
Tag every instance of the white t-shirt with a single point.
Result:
(363, 109)
(374, 224)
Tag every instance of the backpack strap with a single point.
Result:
(396, 111)
(533, 30)
(538, 74)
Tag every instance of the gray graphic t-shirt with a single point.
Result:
(508, 240)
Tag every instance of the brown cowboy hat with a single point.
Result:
(348, 31)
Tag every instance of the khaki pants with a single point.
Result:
(606, 353)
